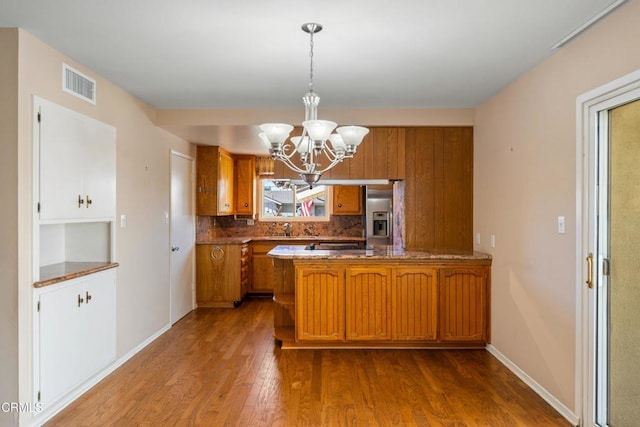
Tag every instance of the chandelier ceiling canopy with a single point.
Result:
(317, 149)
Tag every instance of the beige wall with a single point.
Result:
(143, 183)
(8, 220)
(525, 177)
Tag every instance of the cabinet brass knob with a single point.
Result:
(339, 205)
(246, 205)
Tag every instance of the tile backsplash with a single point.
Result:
(209, 227)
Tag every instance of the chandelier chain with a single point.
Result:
(311, 62)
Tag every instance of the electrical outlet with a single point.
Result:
(493, 240)
(123, 221)
(477, 238)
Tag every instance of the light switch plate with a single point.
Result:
(561, 223)
(123, 221)
(493, 240)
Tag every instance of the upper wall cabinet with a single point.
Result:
(245, 185)
(380, 156)
(77, 165)
(214, 181)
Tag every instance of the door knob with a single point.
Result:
(175, 248)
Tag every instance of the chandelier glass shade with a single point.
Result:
(318, 149)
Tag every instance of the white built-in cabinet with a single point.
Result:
(74, 295)
(77, 331)
(77, 165)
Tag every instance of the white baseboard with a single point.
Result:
(48, 413)
(541, 391)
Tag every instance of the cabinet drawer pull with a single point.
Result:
(217, 253)
(246, 205)
(89, 201)
(80, 201)
(80, 300)
(88, 297)
(339, 205)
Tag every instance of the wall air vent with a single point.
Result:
(78, 84)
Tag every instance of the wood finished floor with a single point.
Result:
(221, 367)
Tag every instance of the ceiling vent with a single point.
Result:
(78, 84)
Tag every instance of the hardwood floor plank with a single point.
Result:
(220, 367)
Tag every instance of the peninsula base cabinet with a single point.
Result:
(222, 274)
(76, 333)
(399, 305)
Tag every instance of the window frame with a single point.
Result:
(328, 206)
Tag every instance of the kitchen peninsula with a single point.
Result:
(380, 297)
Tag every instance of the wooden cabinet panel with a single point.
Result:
(218, 275)
(225, 183)
(320, 314)
(415, 304)
(385, 153)
(245, 177)
(464, 297)
(439, 188)
(368, 303)
(347, 200)
(214, 181)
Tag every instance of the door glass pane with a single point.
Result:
(624, 283)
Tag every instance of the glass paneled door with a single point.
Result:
(617, 290)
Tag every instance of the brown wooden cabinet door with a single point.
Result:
(245, 170)
(368, 303)
(464, 304)
(415, 304)
(225, 183)
(214, 181)
(347, 200)
(320, 309)
(262, 279)
(207, 180)
(218, 275)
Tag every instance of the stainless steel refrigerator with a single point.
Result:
(379, 216)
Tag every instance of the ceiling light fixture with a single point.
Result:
(316, 142)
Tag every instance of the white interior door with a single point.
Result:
(182, 236)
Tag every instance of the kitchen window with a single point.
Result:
(284, 200)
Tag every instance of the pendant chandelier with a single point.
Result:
(317, 149)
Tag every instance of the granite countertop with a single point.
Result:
(56, 273)
(241, 240)
(377, 252)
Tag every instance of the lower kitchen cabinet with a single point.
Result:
(464, 308)
(401, 304)
(320, 304)
(368, 303)
(221, 274)
(262, 277)
(76, 332)
(415, 304)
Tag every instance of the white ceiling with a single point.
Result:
(199, 54)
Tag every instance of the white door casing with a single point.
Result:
(182, 236)
(589, 203)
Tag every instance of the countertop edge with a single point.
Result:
(389, 253)
(75, 270)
